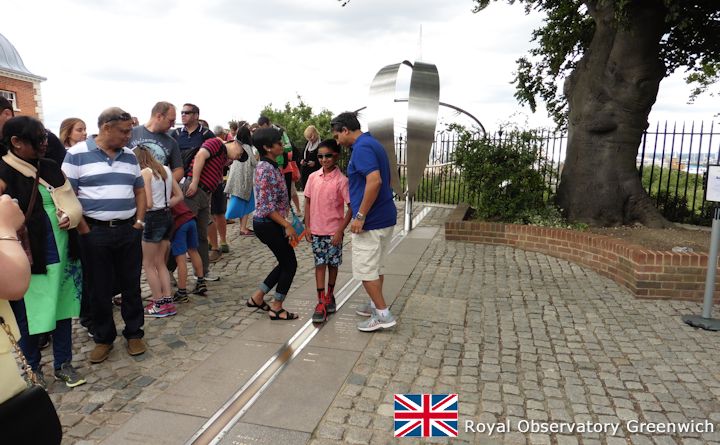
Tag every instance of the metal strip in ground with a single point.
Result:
(215, 429)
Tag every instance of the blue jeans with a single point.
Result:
(113, 257)
(61, 338)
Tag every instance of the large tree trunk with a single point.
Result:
(610, 94)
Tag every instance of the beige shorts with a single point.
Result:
(369, 250)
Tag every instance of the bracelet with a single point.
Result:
(9, 238)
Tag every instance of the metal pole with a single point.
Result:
(408, 212)
(712, 265)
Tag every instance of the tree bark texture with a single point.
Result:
(610, 94)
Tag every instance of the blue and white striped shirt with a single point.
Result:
(105, 187)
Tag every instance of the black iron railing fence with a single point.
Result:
(672, 159)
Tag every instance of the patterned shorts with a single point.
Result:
(325, 252)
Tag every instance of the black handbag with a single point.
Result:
(28, 418)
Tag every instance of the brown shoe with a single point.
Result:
(214, 255)
(100, 353)
(136, 346)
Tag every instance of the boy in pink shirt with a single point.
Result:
(327, 214)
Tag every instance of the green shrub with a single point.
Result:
(506, 176)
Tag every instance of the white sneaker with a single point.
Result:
(365, 310)
(210, 277)
(376, 322)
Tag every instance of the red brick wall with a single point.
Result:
(646, 273)
(24, 93)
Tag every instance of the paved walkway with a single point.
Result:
(520, 336)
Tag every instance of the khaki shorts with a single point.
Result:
(369, 250)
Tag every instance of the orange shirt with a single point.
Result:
(329, 196)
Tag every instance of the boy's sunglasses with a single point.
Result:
(326, 155)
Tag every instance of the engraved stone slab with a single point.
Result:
(156, 427)
(246, 433)
(436, 309)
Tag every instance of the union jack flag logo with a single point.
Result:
(426, 415)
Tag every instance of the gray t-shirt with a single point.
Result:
(163, 147)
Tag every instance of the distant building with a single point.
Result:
(17, 83)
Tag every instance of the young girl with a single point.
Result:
(161, 193)
(185, 241)
(326, 195)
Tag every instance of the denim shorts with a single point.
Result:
(324, 251)
(186, 237)
(158, 224)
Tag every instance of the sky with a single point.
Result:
(233, 57)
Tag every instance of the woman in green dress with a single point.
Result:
(53, 297)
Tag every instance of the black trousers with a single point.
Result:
(113, 258)
(272, 235)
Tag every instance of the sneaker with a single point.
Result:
(182, 297)
(40, 376)
(214, 255)
(162, 311)
(320, 314)
(331, 307)
(117, 300)
(376, 322)
(211, 277)
(67, 374)
(200, 288)
(366, 310)
(224, 248)
(44, 340)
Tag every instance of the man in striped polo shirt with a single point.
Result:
(206, 172)
(106, 177)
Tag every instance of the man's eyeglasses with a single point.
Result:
(185, 113)
(121, 117)
(326, 155)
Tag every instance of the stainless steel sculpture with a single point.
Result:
(423, 103)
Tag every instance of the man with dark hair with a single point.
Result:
(106, 177)
(192, 135)
(374, 215)
(6, 112)
(153, 135)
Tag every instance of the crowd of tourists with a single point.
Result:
(95, 212)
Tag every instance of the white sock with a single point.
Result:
(372, 304)
(383, 312)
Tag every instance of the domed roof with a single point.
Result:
(10, 59)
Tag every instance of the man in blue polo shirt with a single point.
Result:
(374, 215)
(192, 135)
(106, 177)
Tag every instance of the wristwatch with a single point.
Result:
(142, 223)
(359, 216)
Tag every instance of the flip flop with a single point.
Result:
(289, 316)
(264, 306)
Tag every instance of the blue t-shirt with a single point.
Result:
(368, 155)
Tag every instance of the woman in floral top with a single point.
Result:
(271, 227)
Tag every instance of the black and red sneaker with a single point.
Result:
(320, 314)
(330, 306)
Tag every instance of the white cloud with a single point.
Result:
(234, 57)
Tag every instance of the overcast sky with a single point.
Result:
(232, 57)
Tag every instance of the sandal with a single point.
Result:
(251, 303)
(289, 316)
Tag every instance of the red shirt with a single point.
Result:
(212, 172)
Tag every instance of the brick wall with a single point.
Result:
(25, 94)
(646, 273)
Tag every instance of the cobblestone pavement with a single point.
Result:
(518, 335)
(524, 336)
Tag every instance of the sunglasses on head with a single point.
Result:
(326, 155)
(120, 117)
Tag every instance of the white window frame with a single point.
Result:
(10, 95)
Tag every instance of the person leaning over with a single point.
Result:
(55, 287)
(271, 227)
(106, 176)
(374, 215)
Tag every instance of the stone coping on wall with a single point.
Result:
(646, 273)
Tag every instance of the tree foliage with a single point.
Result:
(295, 119)
(690, 41)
